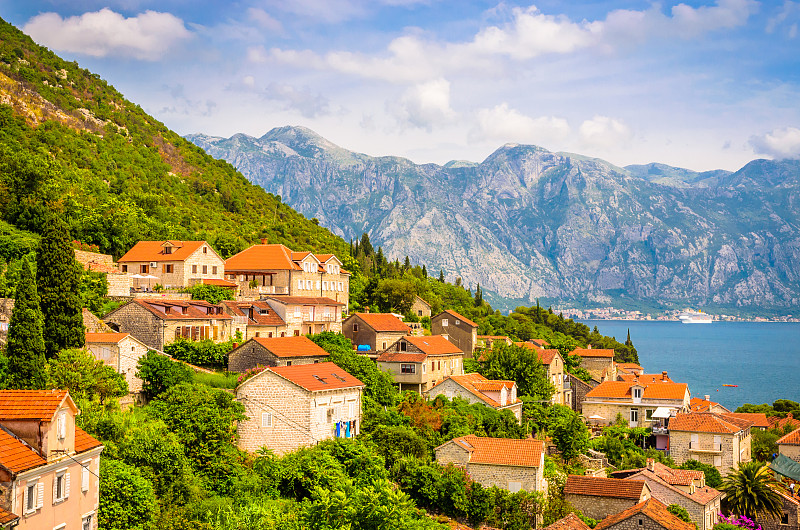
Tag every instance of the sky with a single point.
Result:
(701, 84)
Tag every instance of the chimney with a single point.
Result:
(264, 241)
(707, 397)
(588, 346)
(366, 309)
(651, 464)
(664, 375)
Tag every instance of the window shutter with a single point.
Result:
(39, 495)
(85, 476)
(55, 489)
(25, 499)
(66, 485)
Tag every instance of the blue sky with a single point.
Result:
(699, 84)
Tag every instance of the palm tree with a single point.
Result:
(750, 490)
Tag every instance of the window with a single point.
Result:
(283, 333)
(444, 322)
(214, 269)
(637, 393)
(457, 322)
(86, 522)
(288, 363)
(61, 425)
(439, 365)
(402, 345)
(205, 269)
(194, 269)
(717, 460)
(341, 288)
(648, 414)
(408, 369)
(60, 486)
(641, 522)
(634, 416)
(266, 419)
(297, 333)
(31, 495)
(423, 367)
(299, 284)
(384, 345)
(355, 327)
(85, 475)
(124, 268)
(269, 334)
(205, 250)
(143, 269)
(785, 518)
(258, 334)
(419, 312)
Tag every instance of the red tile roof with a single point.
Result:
(546, 356)
(680, 477)
(219, 282)
(654, 510)
(33, 404)
(105, 338)
(305, 300)
(289, 347)
(622, 390)
(704, 495)
(191, 306)
(779, 423)
(539, 342)
(570, 522)
(382, 322)
(458, 317)
(434, 345)
(502, 451)
(629, 366)
(262, 258)
(154, 251)
(16, 455)
(793, 438)
(645, 378)
(697, 404)
(476, 384)
(263, 316)
(592, 352)
(84, 441)
(7, 517)
(710, 422)
(604, 487)
(317, 377)
(759, 419)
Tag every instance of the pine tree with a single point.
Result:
(407, 264)
(366, 246)
(25, 348)
(58, 278)
(441, 275)
(538, 312)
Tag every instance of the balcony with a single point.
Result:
(660, 430)
(308, 318)
(697, 447)
(272, 289)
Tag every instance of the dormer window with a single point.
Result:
(61, 425)
(637, 393)
(167, 250)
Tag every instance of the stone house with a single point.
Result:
(159, 322)
(570, 522)
(421, 308)
(48, 466)
(776, 422)
(122, 352)
(686, 488)
(119, 283)
(641, 403)
(507, 463)
(475, 388)
(459, 330)
(704, 404)
(288, 407)
(175, 264)
(275, 351)
(629, 368)
(267, 270)
(487, 341)
(578, 390)
(599, 497)
(418, 363)
(598, 362)
(254, 319)
(540, 343)
(720, 440)
(308, 314)
(648, 515)
(6, 308)
(790, 514)
(554, 368)
(376, 330)
(789, 445)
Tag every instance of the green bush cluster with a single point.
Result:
(206, 353)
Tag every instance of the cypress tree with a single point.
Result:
(478, 296)
(58, 277)
(628, 341)
(424, 271)
(25, 348)
(441, 275)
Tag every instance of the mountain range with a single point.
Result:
(527, 223)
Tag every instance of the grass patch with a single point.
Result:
(217, 379)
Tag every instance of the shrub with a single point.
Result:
(127, 500)
(159, 373)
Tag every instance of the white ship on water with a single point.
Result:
(692, 317)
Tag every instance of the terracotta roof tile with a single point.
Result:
(476, 384)
(154, 251)
(262, 258)
(652, 509)
(382, 322)
(592, 352)
(793, 438)
(191, 307)
(703, 495)
(7, 517)
(434, 345)
(16, 455)
(458, 317)
(263, 314)
(289, 347)
(629, 366)
(105, 338)
(84, 441)
(779, 423)
(32, 404)
(759, 419)
(305, 300)
(697, 404)
(219, 282)
(570, 522)
(710, 422)
(604, 487)
(502, 451)
(541, 343)
(402, 357)
(546, 356)
(646, 378)
(622, 390)
(317, 377)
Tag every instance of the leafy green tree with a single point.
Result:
(571, 436)
(127, 499)
(763, 444)
(520, 364)
(93, 289)
(159, 373)
(680, 512)
(84, 376)
(58, 279)
(25, 348)
(212, 294)
(713, 476)
(749, 490)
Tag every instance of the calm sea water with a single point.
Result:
(762, 358)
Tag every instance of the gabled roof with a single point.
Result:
(501, 451)
(316, 377)
(652, 509)
(263, 316)
(679, 477)
(382, 322)
(431, 345)
(779, 423)
(7, 517)
(709, 422)
(793, 438)
(219, 282)
(289, 347)
(593, 352)
(420, 299)
(191, 306)
(541, 343)
(455, 315)
(546, 356)
(154, 251)
(759, 419)
(645, 378)
(604, 487)
(622, 390)
(105, 338)
(84, 441)
(305, 300)
(697, 404)
(476, 384)
(629, 366)
(703, 495)
(261, 258)
(570, 522)
(16, 455)
(38, 405)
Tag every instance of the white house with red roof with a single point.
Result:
(507, 463)
(49, 467)
(289, 407)
(418, 363)
(174, 264)
(475, 388)
(122, 352)
(308, 314)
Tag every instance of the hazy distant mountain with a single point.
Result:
(528, 223)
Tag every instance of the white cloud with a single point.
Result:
(308, 104)
(325, 11)
(147, 36)
(779, 143)
(689, 21)
(605, 132)
(504, 124)
(426, 105)
(249, 81)
(264, 20)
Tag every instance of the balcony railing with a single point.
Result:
(660, 430)
(697, 447)
(319, 318)
(272, 289)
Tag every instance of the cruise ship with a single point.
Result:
(691, 317)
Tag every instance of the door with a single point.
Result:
(634, 418)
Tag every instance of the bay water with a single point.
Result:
(762, 358)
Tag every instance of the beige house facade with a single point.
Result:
(475, 388)
(49, 467)
(122, 352)
(637, 402)
(598, 362)
(174, 264)
(418, 363)
(289, 407)
(554, 368)
(119, 283)
(275, 351)
(308, 314)
(720, 440)
(374, 332)
(459, 330)
(254, 319)
(507, 463)
(421, 308)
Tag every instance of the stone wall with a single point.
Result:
(451, 389)
(119, 284)
(252, 354)
(489, 475)
(699, 513)
(596, 366)
(462, 335)
(638, 522)
(452, 453)
(139, 322)
(734, 449)
(598, 507)
(85, 257)
(579, 390)
(609, 410)
(790, 514)
(791, 451)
